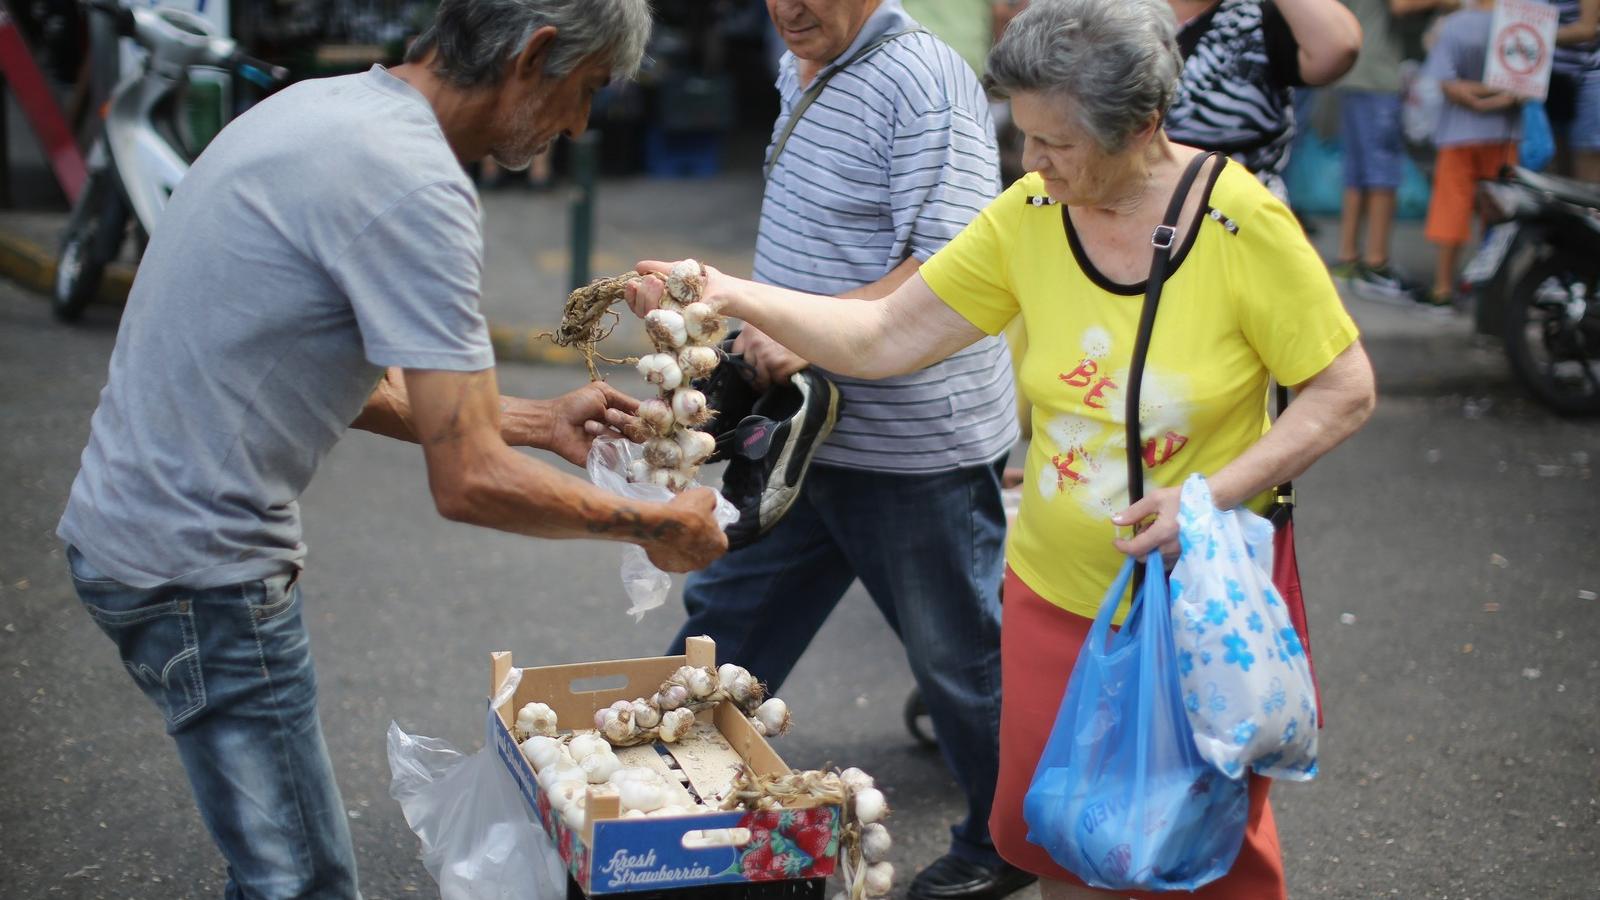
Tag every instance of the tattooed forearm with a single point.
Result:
(629, 522)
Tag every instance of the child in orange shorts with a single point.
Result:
(1477, 134)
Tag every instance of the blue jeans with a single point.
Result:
(929, 549)
(230, 669)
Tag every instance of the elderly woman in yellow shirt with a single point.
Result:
(1067, 247)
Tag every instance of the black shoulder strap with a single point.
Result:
(1160, 260)
(816, 87)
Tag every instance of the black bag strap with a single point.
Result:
(815, 89)
(1161, 260)
(1283, 495)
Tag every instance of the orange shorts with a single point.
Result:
(1039, 644)
(1456, 173)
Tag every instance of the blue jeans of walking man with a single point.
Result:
(230, 670)
(929, 549)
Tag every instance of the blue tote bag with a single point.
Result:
(1121, 797)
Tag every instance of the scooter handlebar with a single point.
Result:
(121, 15)
(259, 72)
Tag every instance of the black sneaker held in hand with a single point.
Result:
(769, 449)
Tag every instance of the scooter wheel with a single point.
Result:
(1552, 333)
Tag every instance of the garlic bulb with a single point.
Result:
(576, 817)
(689, 407)
(774, 717)
(871, 806)
(664, 452)
(567, 794)
(657, 415)
(697, 362)
(633, 814)
(670, 697)
(661, 477)
(666, 329)
(585, 743)
(856, 780)
(685, 281)
(742, 687)
(638, 472)
(662, 370)
(541, 751)
(680, 480)
(695, 446)
(675, 725)
(644, 715)
(598, 767)
(559, 771)
(701, 681)
(880, 879)
(600, 718)
(702, 324)
(634, 773)
(537, 718)
(875, 842)
(619, 727)
(642, 795)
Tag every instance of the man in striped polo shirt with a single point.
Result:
(893, 155)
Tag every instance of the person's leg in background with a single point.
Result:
(1449, 219)
(1352, 208)
(1372, 139)
(1584, 137)
(231, 670)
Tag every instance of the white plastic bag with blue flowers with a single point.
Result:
(1245, 678)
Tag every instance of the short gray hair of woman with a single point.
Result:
(1115, 62)
(475, 39)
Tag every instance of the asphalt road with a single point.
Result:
(1451, 554)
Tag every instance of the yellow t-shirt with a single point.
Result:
(1249, 298)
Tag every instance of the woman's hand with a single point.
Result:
(1159, 511)
(773, 361)
(644, 294)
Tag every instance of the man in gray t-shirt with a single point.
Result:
(319, 268)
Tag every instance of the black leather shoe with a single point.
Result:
(952, 878)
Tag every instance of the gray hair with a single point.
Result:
(475, 39)
(1115, 62)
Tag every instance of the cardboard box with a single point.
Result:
(616, 855)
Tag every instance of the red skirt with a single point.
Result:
(1039, 644)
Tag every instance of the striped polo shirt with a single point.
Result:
(894, 158)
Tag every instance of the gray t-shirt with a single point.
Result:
(326, 234)
(1460, 53)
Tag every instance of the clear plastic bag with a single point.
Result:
(646, 585)
(1121, 797)
(1246, 679)
(478, 841)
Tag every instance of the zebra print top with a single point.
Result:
(1241, 63)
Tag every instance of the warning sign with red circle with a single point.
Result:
(1521, 39)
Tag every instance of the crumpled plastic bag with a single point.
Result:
(1246, 678)
(478, 840)
(646, 585)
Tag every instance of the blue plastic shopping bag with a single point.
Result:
(1538, 144)
(1246, 680)
(1121, 797)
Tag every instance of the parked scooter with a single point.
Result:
(143, 151)
(1537, 280)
